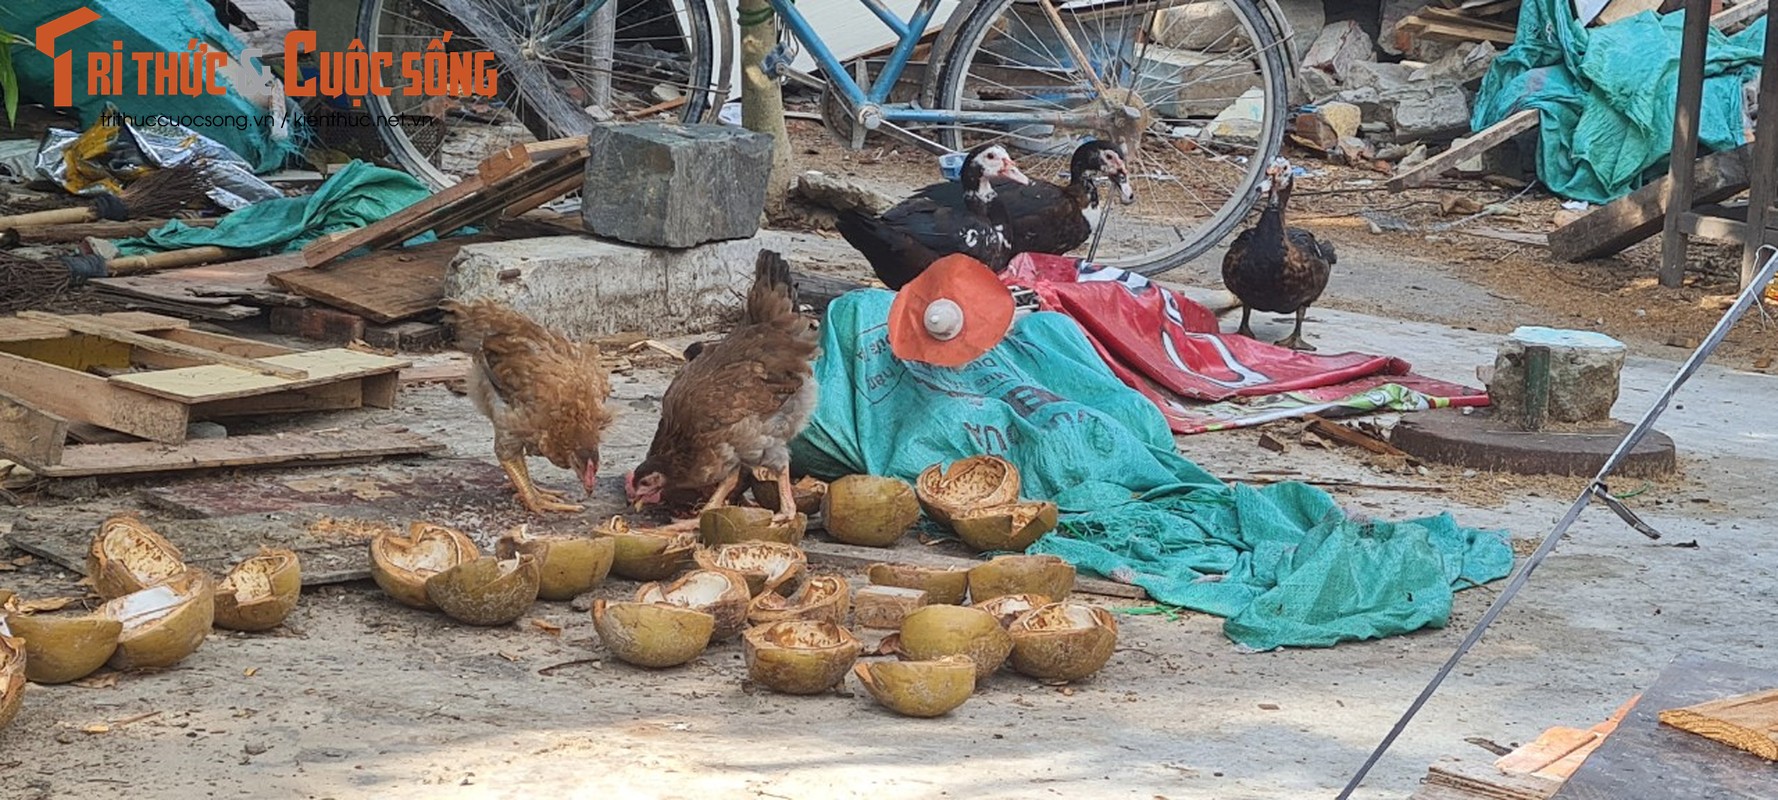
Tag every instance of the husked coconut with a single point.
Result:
(486, 591)
(974, 482)
(64, 647)
(401, 564)
(1063, 641)
(127, 556)
(12, 674)
(646, 554)
(1009, 607)
(652, 635)
(807, 492)
(260, 592)
(720, 593)
(934, 632)
(869, 510)
(919, 688)
(799, 657)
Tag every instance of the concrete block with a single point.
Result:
(1197, 26)
(669, 185)
(1584, 368)
(1334, 53)
(587, 287)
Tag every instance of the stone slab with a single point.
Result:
(1482, 440)
(670, 185)
(587, 287)
(1584, 369)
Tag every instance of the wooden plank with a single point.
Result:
(1640, 214)
(30, 436)
(16, 329)
(321, 251)
(167, 346)
(222, 343)
(1745, 721)
(339, 396)
(1485, 780)
(77, 396)
(1643, 758)
(853, 557)
(1764, 191)
(211, 383)
(239, 451)
(1516, 237)
(111, 289)
(379, 391)
(1706, 226)
(1481, 142)
(1349, 436)
(1734, 17)
(1549, 747)
(521, 156)
(383, 286)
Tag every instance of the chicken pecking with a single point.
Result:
(737, 403)
(544, 393)
(1275, 268)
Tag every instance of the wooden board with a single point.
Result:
(1481, 142)
(29, 435)
(908, 551)
(152, 344)
(1643, 758)
(393, 489)
(14, 329)
(1745, 721)
(1642, 213)
(204, 384)
(78, 396)
(383, 286)
(1558, 752)
(210, 291)
(1486, 780)
(238, 451)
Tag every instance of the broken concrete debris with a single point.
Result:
(671, 185)
(1582, 375)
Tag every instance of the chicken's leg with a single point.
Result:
(533, 499)
(723, 490)
(786, 499)
(1295, 340)
(1246, 329)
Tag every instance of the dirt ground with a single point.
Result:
(359, 697)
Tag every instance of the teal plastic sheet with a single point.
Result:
(1606, 95)
(1283, 563)
(144, 26)
(355, 196)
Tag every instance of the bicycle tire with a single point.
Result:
(960, 45)
(708, 21)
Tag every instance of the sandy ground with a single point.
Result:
(358, 697)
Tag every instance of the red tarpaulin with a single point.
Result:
(1169, 348)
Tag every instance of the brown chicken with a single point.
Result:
(544, 393)
(737, 404)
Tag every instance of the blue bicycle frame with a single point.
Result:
(908, 33)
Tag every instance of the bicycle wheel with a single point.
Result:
(667, 59)
(1178, 63)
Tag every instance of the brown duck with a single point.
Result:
(1275, 268)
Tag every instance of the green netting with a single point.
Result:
(355, 196)
(1283, 563)
(1606, 95)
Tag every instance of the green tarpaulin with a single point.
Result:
(355, 196)
(1283, 563)
(1606, 95)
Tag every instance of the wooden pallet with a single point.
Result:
(150, 377)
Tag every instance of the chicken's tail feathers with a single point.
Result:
(773, 294)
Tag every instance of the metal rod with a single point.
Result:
(1746, 299)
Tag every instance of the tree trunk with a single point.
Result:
(762, 99)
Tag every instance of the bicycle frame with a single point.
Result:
(908, 34)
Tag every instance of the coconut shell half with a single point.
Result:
(736, 524)
(486, 591)
(260, 592)
(721, 593)
(128, 556)
(933, 632)
(974, 482)
(652, 635)
(401, 564)
(164, 623)
(1007, 608)
(799, 657)
(1012, 527)
(13, 663)
(768, 566)
(807, 492)
(646, 554)
(919, 688)
(869, 510)
(65, 647)
(1045, 575)
(824, 598)
(1063, 641)
(567, 567)
(943, 586)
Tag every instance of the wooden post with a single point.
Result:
(1537, 387)
(762, 99)
(1685, 139)
(1761, 190)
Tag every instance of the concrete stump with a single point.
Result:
(586, 287)
(1583, 375)
(670, 185)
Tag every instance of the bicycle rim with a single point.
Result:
(1180, 64)
(667, 61)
